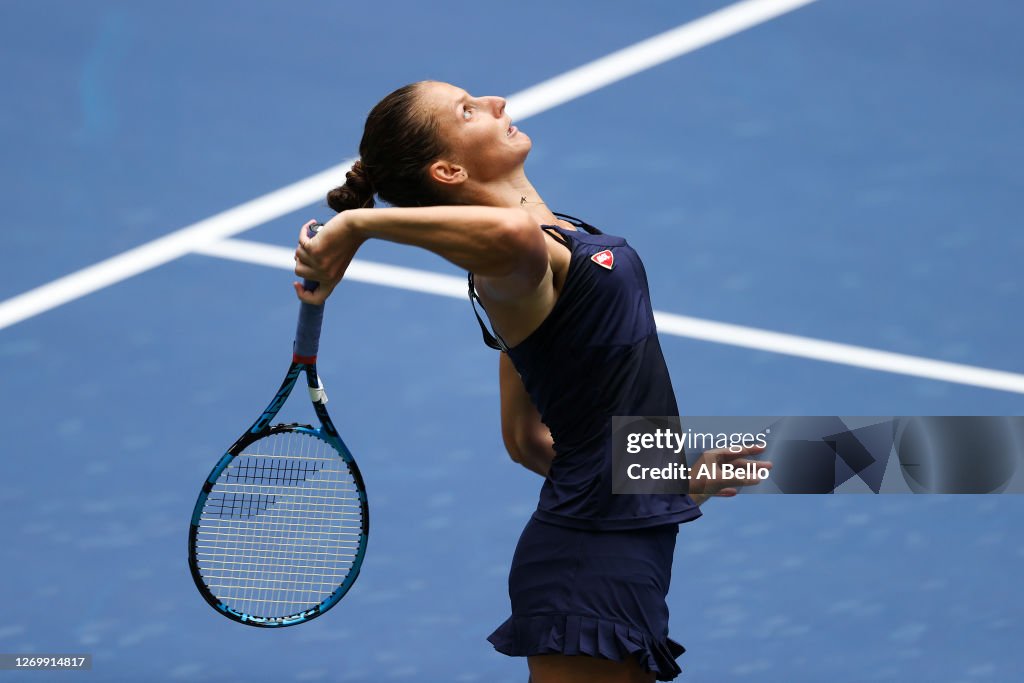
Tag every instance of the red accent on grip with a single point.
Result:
(305, 360)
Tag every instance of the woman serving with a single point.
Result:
(572, 316)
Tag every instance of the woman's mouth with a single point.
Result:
(512, 130)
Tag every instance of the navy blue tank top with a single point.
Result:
(596, 355)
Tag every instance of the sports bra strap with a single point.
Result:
(492, 340)
(578, 223)
(557, 236)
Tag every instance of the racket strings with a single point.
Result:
(281, 527)
(257, 468)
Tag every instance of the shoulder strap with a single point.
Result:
(557, 236)
(492, 340)
(578, 223)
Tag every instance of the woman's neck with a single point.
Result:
(516, 192)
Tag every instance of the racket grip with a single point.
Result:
(307, 332)
(311, 317)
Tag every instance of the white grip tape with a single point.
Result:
(317, 394)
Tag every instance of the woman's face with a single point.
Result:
(477, 132)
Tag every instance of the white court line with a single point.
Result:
(548, 94)
(668, 323)
(359, 270)
(167, 248)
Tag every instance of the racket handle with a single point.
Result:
(311, 317)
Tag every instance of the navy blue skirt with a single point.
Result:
(595, 593)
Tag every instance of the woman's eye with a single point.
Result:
(467, 113)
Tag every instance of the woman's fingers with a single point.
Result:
(307, 272)
(324, 257)
(726, 455)
(308, 267)
(740, 466)
(307, 264)
(317, 298)
(743, 467)
(302, 253)
(304, 237)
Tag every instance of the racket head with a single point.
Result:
(279, 531)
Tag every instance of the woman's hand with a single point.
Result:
(325, 257)
(702, 488)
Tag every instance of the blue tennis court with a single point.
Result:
(827, 202)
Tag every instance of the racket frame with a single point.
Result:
(262, 428)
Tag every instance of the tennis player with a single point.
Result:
(572, 316)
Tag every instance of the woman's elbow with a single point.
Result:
(530, 443)
(512, 445)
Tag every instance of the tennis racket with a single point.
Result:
(279, 531)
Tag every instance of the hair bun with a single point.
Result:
(356, 193)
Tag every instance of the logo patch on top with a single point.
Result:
(605, 259)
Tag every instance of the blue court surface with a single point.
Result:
(847, 171)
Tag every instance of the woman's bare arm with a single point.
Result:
(503, 245)
(527, 439)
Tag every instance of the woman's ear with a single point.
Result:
(447, 173)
